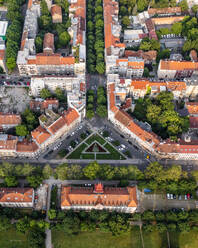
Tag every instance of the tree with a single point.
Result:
(161, 227)
(44, 8)
(71, 225)
(106, 172)
(142, 5)
(64, 38)
(184, 226)
(125, 21)
(74, 172)
(34, 180)
(92, 170)
(195, 175)
(39, 44)
(11, 181)
(194, 9)
(177, 28)
(174, 173)
(146, 72)
(171, 227)
(61, 171)
(171, 216)
(148, 215)
(100, 68)
(11, 64)
(4, 223)
(45, 93)
(22, 225)
(52, 214)
(27, 169)
(134, 173)
(154, 171)
(184, 6)
(153, 113)
(160, 216)
(47, 171)
(90, 114)
(60, 94)
(36, 238)
(148, 227)
(101, 111)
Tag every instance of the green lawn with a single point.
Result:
(13, 239)
(91, 240)
(95, 137)
(155, 240)
(113, 153)
(76, 153)
(184, 240)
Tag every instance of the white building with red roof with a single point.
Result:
(99, 197)
(17, 197)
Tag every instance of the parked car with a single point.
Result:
(185, 197)
(174, 196)
(168, 196)
(188, 196)
(179, 197)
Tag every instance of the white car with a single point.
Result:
(72, 133)
(123, 146)
(168, 196)
(185, 197)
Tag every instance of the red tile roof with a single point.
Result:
(9, 119)
(40, 135)
(56, 10)
(26, 146)
(169, 10)
(21, 195)
(178, 65)
(34, 104)
(147, 56)
(48, 42)
(107, 196)
(8, 142)
(53, 59)
(70, 116)
(192, 108)
(193, 122)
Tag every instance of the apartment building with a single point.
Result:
(17, 197)
(49, 62)
(128, 67)
(8, 120)
(164, 11)
(177, 69)
(99, 197)
(8, 145)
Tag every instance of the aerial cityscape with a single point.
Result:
(98, 124)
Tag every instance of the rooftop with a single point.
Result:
(16, 195)
(106, 196)
(9, 119)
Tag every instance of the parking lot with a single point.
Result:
(161, 202)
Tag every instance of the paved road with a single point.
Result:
(48, 239)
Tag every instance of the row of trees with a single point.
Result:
(14, 31)
(154, 177)
(95, 37)
(90, 104)
(160, 114)
(72, 222)
(62, 37)
(34, 175)
(117, 223)
(190, 30)
(101, 109)
(171, 220)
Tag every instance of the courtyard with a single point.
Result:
(13, 99)
(95, 147)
